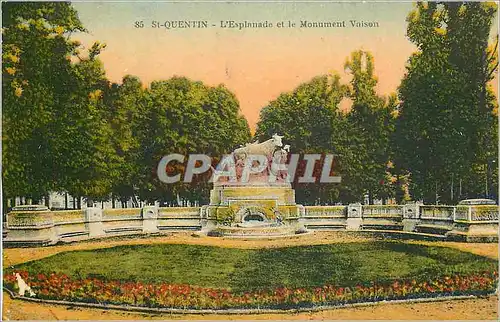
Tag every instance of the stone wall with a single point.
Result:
(36, 225)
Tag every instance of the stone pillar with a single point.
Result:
(411, 216)
(354, 216)
(207, 224)
(93, 221)
(149, 219)
(301, 213)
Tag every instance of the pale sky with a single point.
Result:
(256, 64)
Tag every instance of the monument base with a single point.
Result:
(253, 210)
(257, 231)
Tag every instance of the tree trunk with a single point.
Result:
(370, 197)
(451, 189)
(47, 200)
(437, 195)
(6, 205)
(135, 201)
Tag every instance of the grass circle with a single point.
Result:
(243, 270)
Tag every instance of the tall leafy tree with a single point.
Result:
(186, 117)
(126, 110)
(37, 67)
(89, 161)
(367, 149)
(310, 119)
(56, 136)
(446, 127)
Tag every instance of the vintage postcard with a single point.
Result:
(248, 160)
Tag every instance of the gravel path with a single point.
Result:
(473, 309)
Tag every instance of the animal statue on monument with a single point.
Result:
(265, 148)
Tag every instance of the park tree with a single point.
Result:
(306, 115)
(125, 114)
(367, 149)
(446, 132)
(36, 60)
(56, 136)
(90, 160)
(186, 117)
(310, 119)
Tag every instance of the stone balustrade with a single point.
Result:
(437, 212)
(382, 217)
(37, 225)
(483, 213)
(179, 218)
(382, 211)
(324, 217)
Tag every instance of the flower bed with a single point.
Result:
(93, 290)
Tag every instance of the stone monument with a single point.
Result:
(251, 194)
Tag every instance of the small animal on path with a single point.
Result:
(23, 287)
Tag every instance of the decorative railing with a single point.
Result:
(326, 211)
(29, 220)
(121, 214)
(168, 212)
(484, 213)
(382, 211)
(68, 216)
(462, 213)
(32, 224)
(437, 212)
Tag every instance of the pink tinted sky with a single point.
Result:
(256, 64)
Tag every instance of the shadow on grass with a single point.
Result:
(351, 264)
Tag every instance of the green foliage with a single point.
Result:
(89, 160)
(126, 107)
(367, 150)
(36, 86)
(446, 134)
(306, 115)
(186, 117)
(66, 128)
(311, 121)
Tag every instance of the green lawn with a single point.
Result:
(242, 269)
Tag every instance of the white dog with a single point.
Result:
(23, 287)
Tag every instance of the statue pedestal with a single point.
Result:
(224, 193)
(253, 210)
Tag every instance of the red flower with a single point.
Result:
(61, 286)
